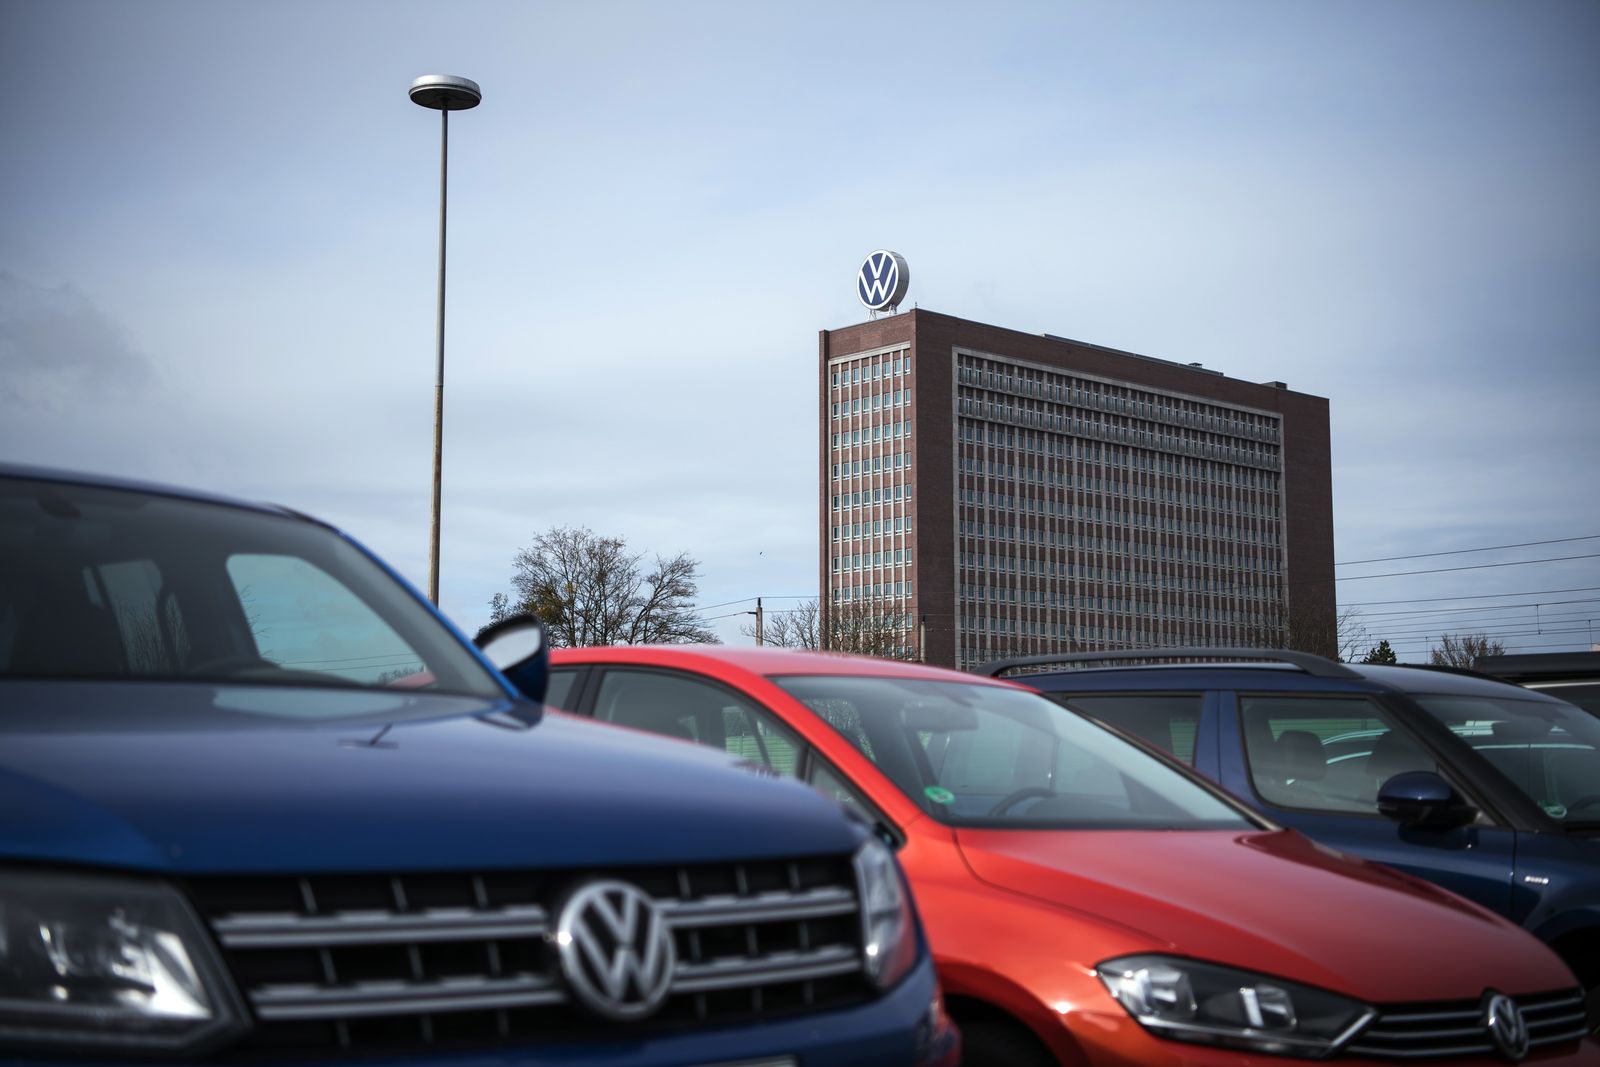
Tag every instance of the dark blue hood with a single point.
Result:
(197, 779)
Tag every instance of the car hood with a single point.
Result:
(1273, 902)
(193, 778)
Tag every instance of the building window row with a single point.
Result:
(867, 497)
(843, 594)
(866, 435)
(871, 369)
(876, 528)
(856, 561)
(865, 405)
(1123, 400)
(1086, 451)
(895, 461)
(1122, 430)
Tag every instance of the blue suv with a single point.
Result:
(260, 803)
(1488, 789)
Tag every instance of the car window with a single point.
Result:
(558, 694)
(1167, 720)
(987, 755)
(1550, 751)
(693, 709)
(829, 784)
(1585, 695)
(119, 585)
(301, 618)
(1324, 753)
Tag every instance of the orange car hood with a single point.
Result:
(1273, 902)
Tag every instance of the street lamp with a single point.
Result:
(444, 93)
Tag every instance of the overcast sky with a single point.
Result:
(218, 241)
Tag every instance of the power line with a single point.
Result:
(1464, 551)
(1472, 567)
(1425, 612)
(1470, 596)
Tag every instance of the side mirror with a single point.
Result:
(1425, 800)
(519, 650)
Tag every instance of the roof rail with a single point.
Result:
(1316, 666)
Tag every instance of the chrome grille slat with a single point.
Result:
(786, 966)
(379, 927)
(1453, 1033)
(369, 999)
(766, 907)
(1385, 1052)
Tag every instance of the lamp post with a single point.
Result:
(444, 93)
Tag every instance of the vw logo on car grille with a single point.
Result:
(883, 280)
(1506, 1026)
(616, 950)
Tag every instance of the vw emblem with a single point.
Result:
(616, 950)
(883, 280)
(1506, 1026)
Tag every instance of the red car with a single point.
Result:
(1090, 902)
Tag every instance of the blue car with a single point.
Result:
(1488, 789)
(260, 803)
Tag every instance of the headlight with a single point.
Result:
(104, 963)
(889, 936)
(1212, 1005)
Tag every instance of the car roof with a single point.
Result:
(1542, 666)
(1355, 678)
(1418, 678)
(106, 481)
(770, 662)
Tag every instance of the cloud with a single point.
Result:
(58, 350)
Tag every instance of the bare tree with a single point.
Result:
(796, 627)
(1315, 626)
(855, 626)
(591, 590)
(1463, 650)
(869, 630)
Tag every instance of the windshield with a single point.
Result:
(1550, 750)
(985, 755)
(109, 584)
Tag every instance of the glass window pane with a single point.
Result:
(1324, 753)
(695, 709)
(1168, 721)
(302, 619)
(1550, 751)
(558, 693)
(835, 788)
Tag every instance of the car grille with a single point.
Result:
(1458, 1028)
(368, 962)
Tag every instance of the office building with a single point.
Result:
(987, 492)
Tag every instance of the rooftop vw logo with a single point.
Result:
(883, 280)
(1506, 1026)
(616, 950)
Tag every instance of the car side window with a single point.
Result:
(1167, 720)
(558, 694)
(825, 781)
(694, 709)
(1324, 753)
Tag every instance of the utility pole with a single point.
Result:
(922, 639)
(760, 632)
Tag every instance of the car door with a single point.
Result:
(1315, 762)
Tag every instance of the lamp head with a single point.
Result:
(446, 92)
